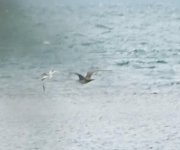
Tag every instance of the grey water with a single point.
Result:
(138, 41)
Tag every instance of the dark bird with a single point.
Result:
(87, 78)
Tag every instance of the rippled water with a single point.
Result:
(139, 44)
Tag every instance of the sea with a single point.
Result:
(135, 43)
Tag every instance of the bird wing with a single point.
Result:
(90, 73)
(80, 76)
(44, 76)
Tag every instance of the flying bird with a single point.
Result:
(46, 76)
(87, 78)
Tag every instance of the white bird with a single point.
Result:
(46, 76)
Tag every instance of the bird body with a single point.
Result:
(84, 79)
(87, 78)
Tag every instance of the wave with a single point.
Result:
(123, 63)
(103, 27)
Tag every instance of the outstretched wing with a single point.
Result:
(80, 76)
(90, 73)
(44, 76)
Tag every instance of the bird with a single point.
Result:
(46, 76)
(87, 78)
